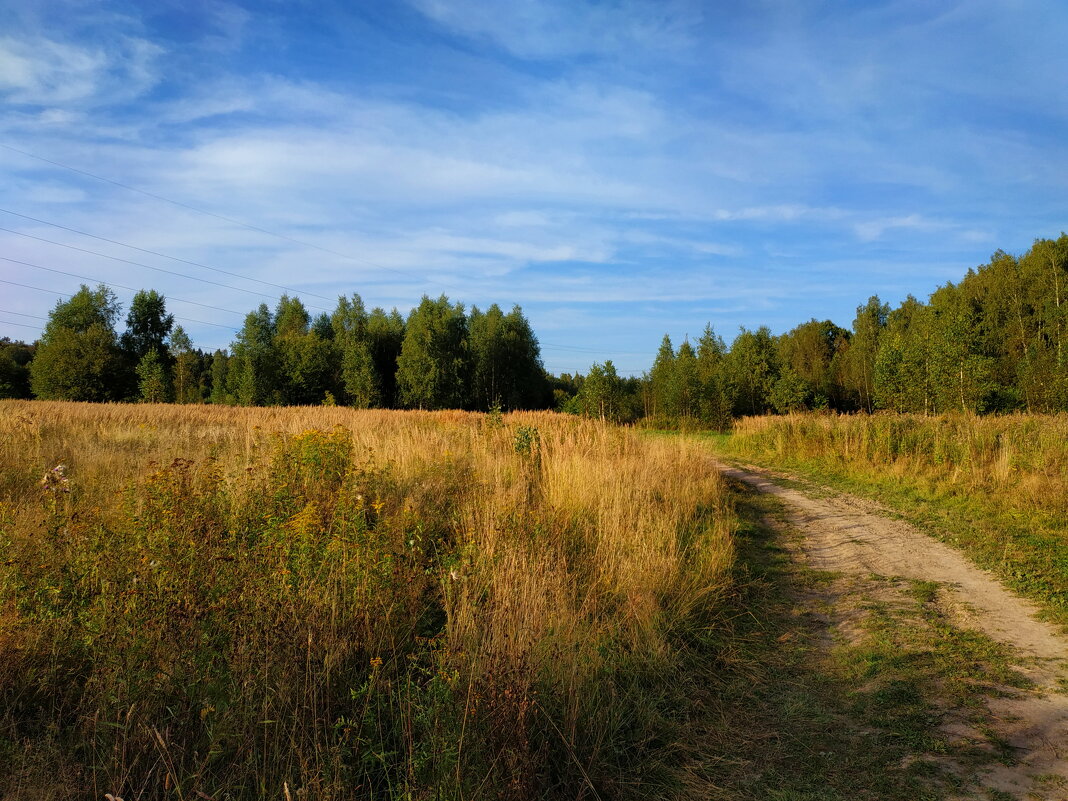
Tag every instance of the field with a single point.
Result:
(206, 602)
(995, 487)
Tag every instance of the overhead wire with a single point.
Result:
(231, 220)
(21, 325)
(146, 266)
(162, 255)
(120, 286)
(22, 314)
(223, 217)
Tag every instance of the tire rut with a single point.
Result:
(855, 537)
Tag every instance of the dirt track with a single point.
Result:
(855, 537)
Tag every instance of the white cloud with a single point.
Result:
(38, 71)
(541, 29)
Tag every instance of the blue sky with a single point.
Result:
(621, 170)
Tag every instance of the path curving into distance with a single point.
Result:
(857, 538)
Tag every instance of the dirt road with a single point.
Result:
(856, 538)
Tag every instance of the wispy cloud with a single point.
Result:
(620, 169)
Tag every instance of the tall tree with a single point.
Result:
(859, 367)
(715, 396)
(221, 394)
(186, 364)
(602, 393)
(753, 367)
(152, 380)
(78, 357)
(434, 364)
(506, 360)
(15, 358)
(386, 333)
(662, 381)
(903, 366)
(252, 377)
(359, 378)
(687, 382)
(147, 326)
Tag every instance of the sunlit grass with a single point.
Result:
(995, 486)
(233, 602)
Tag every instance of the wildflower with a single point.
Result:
(55, 480)
(376, 662)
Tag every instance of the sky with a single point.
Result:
(621, 170)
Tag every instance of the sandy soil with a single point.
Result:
(855, 537)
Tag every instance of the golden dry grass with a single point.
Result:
(348, 604)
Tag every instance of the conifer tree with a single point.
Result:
(662, 381)
(715, 395)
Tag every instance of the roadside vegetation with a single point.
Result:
(996, 487)
(846, 687)
(221, 602)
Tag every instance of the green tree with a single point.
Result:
(220, 383)
(752, 368)
(715, 400)
(78, 357)
(15, 358)
(434, 364)
(962, 370)
(152, 379)
(186, 367)
(386, 332)
(663, 391)
(359, 378)
(813, 353)
(859, 360)
(252, 376)
(687, 382)
(903, 370)
(506, 361)
(602, 393)
(147, 326)
(791, 393)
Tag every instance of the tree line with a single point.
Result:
(997, 341)
(440, 356)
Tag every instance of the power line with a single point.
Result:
(161, 255)
(146, 266)
(27, 286)
(20, 325)
(223, 217)
(120, 286)
(595, 351)
(21, 314)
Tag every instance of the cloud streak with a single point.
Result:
(632, 169)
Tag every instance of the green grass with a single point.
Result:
(808, 713)
(1007, 514)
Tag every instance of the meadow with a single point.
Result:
(994, 486)
(219, 602)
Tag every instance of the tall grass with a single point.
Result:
(320, 603)
(995, 486)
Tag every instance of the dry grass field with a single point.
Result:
(316, 603)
